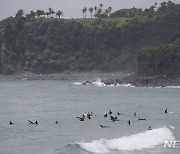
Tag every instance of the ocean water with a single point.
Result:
(48, 101)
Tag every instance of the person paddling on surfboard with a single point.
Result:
(110, 112)
(11, 123)
(104, 126)
(33, 122)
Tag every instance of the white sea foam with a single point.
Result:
(147, 139)
(99, 83)
(77, 83)
(126, 85)
(172, 127)
(172, 86)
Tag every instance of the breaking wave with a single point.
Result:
(172, 86)
(99, 83)
(147, 139)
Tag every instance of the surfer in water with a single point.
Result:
(149, 128)
(105, 115)
(33, 122)
(81, 118)
(142, 118)
(129, 122)
(104, 126)
(110, 112)
(166, 111)
(11, 123)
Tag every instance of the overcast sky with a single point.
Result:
(70, 8)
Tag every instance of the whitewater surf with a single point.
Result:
(143, 140)
(98, 82)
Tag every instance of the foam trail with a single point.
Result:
(172, 127)
(147, 139)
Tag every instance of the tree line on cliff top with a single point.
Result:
(110, 43)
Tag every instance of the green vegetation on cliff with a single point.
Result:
(160, 60)
(107, 44)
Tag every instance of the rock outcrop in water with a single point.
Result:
(157, 66)
(149, 81)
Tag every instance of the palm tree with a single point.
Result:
(32, 14)
(163, 7)
(95, 8)
(110, 9)
(51, 12)
(101, 5)
(43, 13)
(155, 5)
(99, 11)
(84, 11)
(47, 14)
(106, 12)
(59, 13)
(91, 10)
(38, 13)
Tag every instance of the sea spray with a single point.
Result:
(98, 82)
(147, 139)
(77, 83)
